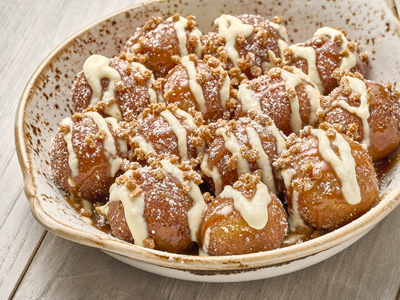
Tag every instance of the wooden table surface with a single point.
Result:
(35, 264)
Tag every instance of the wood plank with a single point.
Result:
(70, 271)
(30, 30)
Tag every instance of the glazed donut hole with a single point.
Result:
(238, 147)
(158, 206)
(247, 45)
(320, 56)
(231, 228)
(288, 98)
(368, 111)
(167, 130)
(158, 41)
(86, 154)
(117, 87)
(329, 178)
(199, 84)
(170, 135)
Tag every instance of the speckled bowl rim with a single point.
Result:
(275, 258)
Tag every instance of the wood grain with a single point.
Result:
(36, 265)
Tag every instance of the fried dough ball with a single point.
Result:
(246, 44)
(86, 154)
(166, 130)
(115, 86)
(203, 85)
(158, 206)
(239, 147)
(319, 57)
(369, 112)
(288, 98)
(245, 218)
(329, 178)
(155, 44)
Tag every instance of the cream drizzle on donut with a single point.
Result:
(180, 27)
(230, 27)
(195, 87)
(123, 147)
(282, 45)
(95, 68)
(225, 88)
(361, 111)
(308, 53)
(154, 96)
(254, 211)
(195, 213)
(72, 158)
(295, 220)
(190, 121)
(233, 146)
(247, 97)
(110, 149)
(143, 144)
(179, 131)
(263, 162)
(347, 62)
(344, 166)
(133, 210)
(212, 173)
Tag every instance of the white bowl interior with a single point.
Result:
(45, 103)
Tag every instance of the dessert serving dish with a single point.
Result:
(45, 102)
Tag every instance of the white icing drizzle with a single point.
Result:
(72, 158)
(247, 97)
(95, 68)
(344, 166)
(279, 28)
(282, 45)
(180, 27)
(154, 96)
(108, 143)
(308, 53)
(143, 144)
(347, 62)
(230, 27)
(263, 162)
(224, 91)
(214, 174)
(291, 81)
(361, 111)
(123, 147)
(255, 211)
(179, 131)
(313, 96)
(195, 213)
(195, 87)
(233, 146)
(295, 219)
(190, 121)
(133, 210)
(206, 242)
(280, 141)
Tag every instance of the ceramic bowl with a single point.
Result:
(45, 102)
